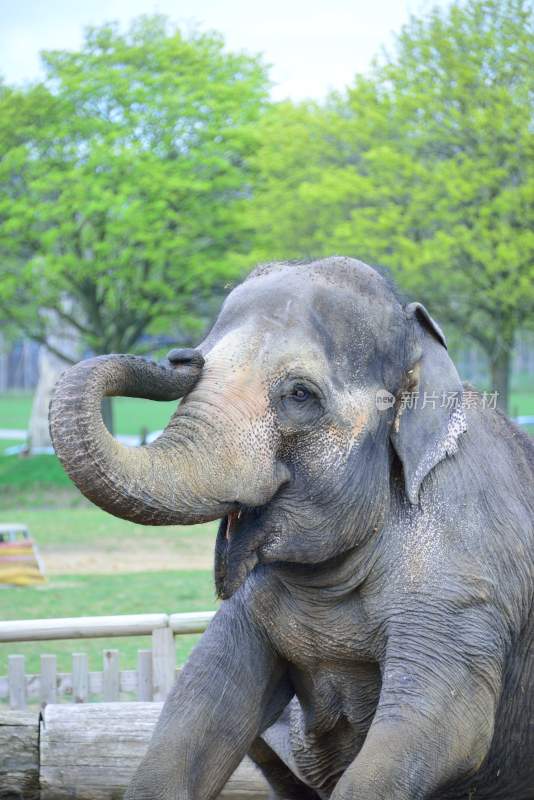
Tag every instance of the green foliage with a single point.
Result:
(122, 181)
(425, 167)
(141, 176)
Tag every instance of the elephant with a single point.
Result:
(375, 551)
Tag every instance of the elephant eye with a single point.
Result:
(300, 394)
(298, 404)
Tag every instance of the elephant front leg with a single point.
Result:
(433, 724)
(233, 685)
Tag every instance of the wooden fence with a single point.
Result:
(91, 751)
(151, 681)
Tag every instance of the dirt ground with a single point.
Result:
(156, 557)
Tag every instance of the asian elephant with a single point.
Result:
(375, 553)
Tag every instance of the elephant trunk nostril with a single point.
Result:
(183, 356)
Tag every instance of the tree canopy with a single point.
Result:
(147, 170)
(425, 166)
(122, 181)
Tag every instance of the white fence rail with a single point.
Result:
(151, 680)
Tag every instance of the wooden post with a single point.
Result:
(80, 678)
(163, 662)
(111, 676)
(17, 682)
(48, 680)
(145, 688)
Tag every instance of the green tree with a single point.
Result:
(425, 167)
(122, 181)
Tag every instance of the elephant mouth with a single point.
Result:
(240, 536)
(231, 522)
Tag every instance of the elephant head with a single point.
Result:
(279, 432)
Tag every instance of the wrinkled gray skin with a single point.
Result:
(376, 640)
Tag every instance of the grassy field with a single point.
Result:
(89, 528)
(131, 414)
(99, 565)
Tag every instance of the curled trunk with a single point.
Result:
(156, 484)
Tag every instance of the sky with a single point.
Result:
(313, 46)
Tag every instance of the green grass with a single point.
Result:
(90, 527)
(94, 595)
(131, 414)
(34, 482)
(522, 402)
(15, 470)
(67, 533)
(15, 408)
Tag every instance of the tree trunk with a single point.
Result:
(107, 413)
(65, 339)
(50, 368)
(500, 365)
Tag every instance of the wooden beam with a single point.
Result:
(190, 622)
(91, 752)
(33, 630)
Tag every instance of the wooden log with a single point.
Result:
(19, 755)
(91, 752)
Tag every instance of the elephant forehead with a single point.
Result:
(254, 355)
(348, 322)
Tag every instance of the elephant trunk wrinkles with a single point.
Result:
(151, 485)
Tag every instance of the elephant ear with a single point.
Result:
(429, 414)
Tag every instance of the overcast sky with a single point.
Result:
(312, 45)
